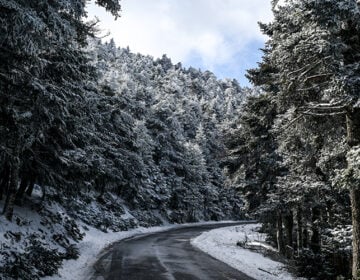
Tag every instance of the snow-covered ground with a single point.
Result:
(221, 244)
(94, 242)
(90, 247)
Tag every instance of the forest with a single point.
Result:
(93, 134)
(295, 150)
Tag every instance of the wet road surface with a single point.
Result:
(165, 255)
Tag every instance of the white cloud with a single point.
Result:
(215, 31)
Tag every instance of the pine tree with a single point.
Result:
(42, 71)
(311, 64)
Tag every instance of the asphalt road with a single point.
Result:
(165, 255)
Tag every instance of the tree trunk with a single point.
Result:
(11, 195)
(4, 184)
(355, 211)
(20, 192)
(353, 127)
(305, 237)
(100, 186)
(289, 225)
(353, 139)
(315, 237)
(280, 233)
(299, 233)
(30, 187)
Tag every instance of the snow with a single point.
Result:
(90, 247)
(95, 242)
(357, 104)
(221, 244)
(24, 223)
(282, 3)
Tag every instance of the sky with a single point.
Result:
(217, 35)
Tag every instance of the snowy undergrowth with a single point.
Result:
(222, 244)
(36, 242)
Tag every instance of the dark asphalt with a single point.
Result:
(165, 255)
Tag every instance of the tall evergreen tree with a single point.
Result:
(42, 71)
(311, 64)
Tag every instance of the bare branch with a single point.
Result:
(325, 108)
(317, 76)
(317, 112)
(324, 114)
(343, 102)
(311, 68)
(312, 65)
(291, 122)
(313, 87)
(299, 70)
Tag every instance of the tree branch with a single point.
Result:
(316, 76)
(291, 122)
(320, 110)
(313, 87)
(326, 108)
(324, 114)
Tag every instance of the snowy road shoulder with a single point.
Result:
(91, 246)
(221, 244)
(95, 241)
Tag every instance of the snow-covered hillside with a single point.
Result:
(143, 148)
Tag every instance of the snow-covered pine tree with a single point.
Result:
(178, 109)
(311, 65)
(42, 70)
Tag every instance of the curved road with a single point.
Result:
(164, 255)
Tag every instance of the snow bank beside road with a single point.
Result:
(91, 246)
(95, 241)
(221, 244)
